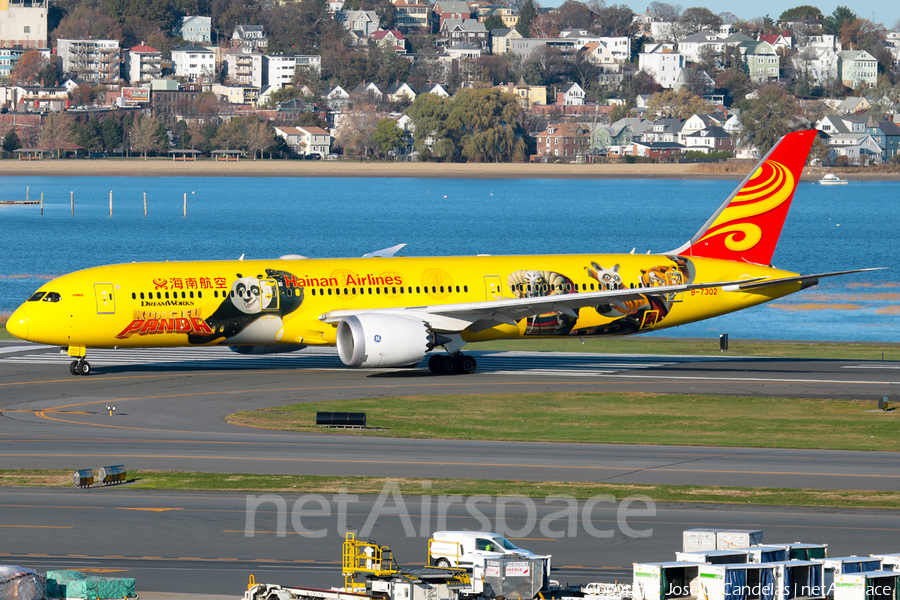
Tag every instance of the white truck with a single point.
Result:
(461, 548)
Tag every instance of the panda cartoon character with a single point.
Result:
(252, 310)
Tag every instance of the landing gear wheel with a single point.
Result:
(442, 563)
(441, 364)
(464, 364)
(84, 367)
(73, 368)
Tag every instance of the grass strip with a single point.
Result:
(308, 484)
(612, 418)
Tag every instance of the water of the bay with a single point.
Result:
(828, 229)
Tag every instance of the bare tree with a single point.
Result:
(258, 137)
(144, 136)
(56, 131)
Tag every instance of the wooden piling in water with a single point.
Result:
(42, 204)
(185, 205)
(110, 202)
(145, 202)
(72, 201)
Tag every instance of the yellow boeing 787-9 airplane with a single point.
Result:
(386, 311)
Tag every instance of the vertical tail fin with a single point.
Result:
(747, 226)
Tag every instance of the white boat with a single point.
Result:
(832, 179)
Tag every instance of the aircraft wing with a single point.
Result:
(477, 316)
(805, 280)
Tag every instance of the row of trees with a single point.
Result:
(144, 135)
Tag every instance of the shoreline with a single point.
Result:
(163, 167)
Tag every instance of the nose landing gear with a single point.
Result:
(80, 367)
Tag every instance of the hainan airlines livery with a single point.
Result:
(386, 311)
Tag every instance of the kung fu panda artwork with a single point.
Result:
(252, 310)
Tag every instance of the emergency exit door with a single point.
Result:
(493, 290)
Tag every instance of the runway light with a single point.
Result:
(111, 409)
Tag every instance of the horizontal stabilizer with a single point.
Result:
(805, 280)
(385, 253)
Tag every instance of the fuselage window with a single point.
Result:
(402, 290)
(329, 291)
(394, 290)
(199, 294)
(418, 290)
(232, 294)
(314, 291)
(442, 289)
(133, 296)
(433, 289)
(192, 294)
(353, 291)
(158, 295)
(465, 288)
(370, 291)
(52, 297)
(377, 290)
(167, 295)
(36, 296)
(216, 293)
(457, 289)
(592, 287)
(142, 295)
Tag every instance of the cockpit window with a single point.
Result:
(52, 297)
(36, 296)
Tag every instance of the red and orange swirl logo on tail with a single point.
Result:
(748, 228)
(771, 186)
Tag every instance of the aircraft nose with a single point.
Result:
(17, 324)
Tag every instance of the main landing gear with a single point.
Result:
(459, 363)
(80, 367)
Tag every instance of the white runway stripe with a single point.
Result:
(500, 363)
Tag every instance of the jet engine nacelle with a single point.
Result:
(379, 340)
(267, 349)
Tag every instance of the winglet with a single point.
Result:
(747, 226)
(384, 253)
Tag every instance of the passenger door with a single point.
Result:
(106, 302)
(493, 290)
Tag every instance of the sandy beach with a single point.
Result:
(162, 167)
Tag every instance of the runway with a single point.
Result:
(170, 414)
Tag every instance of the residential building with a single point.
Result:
(411, 17)
(194, 63)
(368, 91)
(599, 55)
(654, 150)
(174, 104)
(142, 64)
(306, 141)
(23, 23)
(661, 62)
(361, 22)
(252, 36)
(8, 59)
(694, 45)
(280, 68)
(456, 31)
(236, 94)
(94, 61)
(390, 38)
(443, 10)
(694, 78)
(336, 97)
(817, 63)
(500, 39)
(711, 139)
(762, 61)
(570, 94)
(847, 136)
(563, 140)
(779, 41)
(528, 95)
(463, 50)
(699, 122)
(434, 88)
(244, 65)
(400, 92)
(856, 67)
(887, 135)
(663, 131)
(620, 47)
(506, 14)
(196, 29)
